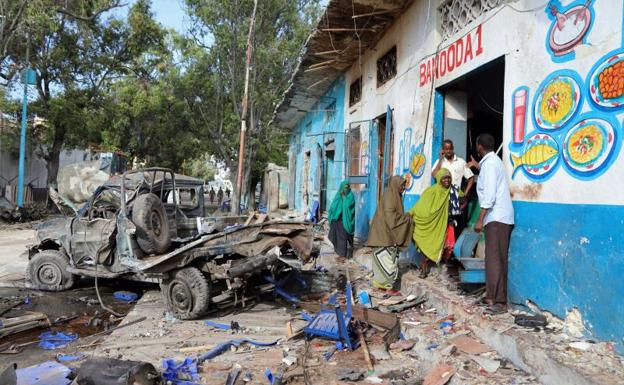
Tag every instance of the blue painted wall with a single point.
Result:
(308, 135)
(570, 255)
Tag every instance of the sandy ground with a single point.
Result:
(13, 254)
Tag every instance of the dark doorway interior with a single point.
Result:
(479, 96)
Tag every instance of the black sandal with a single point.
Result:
(495, 309)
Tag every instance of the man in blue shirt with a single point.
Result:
(497, 218)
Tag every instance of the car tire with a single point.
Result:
(47, 271)
(152, 226)
(187, 293)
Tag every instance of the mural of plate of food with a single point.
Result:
(539, 156)
(606, 81)
(558, 99)
(569, 27)
(588, 145)
(417, 165)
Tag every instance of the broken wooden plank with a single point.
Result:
(261, 219)
(250, 218)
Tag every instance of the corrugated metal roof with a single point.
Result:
(346, 30)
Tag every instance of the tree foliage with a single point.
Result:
(167, 99)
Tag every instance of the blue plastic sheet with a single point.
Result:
(55, 340)
(185, 372)
(127, 296)
(47, 373)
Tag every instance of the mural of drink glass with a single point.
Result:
(519, 108)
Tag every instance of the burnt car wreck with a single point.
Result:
(149, 225)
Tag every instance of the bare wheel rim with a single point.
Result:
(49, 274)
(156, 221)
(181, 296)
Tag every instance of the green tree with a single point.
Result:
(78, 52)
(216, 70)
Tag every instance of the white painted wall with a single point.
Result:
(521, 38)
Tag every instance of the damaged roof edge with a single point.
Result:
(305, 88)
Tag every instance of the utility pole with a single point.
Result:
(28, 77)
(241, 149)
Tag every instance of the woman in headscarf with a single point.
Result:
(431, 216)
(389, 234)
(342, 220)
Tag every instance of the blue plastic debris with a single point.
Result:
(445, 324)
(269, 376)
(127, 296)
(55, 340)
(232, 326)
(432, 347)
(27, 300)
(219, 349)
(306, 316)
(333, 323)
(364, 299)
(179, 373)
(46, 373)
(69, 357)
(279, 290)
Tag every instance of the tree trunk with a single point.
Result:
(52, 165)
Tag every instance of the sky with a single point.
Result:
(170, 13)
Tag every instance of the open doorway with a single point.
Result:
(473, 105)
(385, 138)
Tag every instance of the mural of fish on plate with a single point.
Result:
(538, 159)
(590, 146)
(570, 27)
(606, 81)
(557, 100)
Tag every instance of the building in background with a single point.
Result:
(386, 81)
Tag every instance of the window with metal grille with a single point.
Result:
(387, 66)
(456, 14)
(355, 91)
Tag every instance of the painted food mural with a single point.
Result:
(539, 156)
(606, 82)
(569, 27)
(588, 144)
(417, 165)
(558, 99)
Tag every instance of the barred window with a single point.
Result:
(355, 91)
(387, 66)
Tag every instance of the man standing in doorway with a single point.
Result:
(497, 217)
(459, 171)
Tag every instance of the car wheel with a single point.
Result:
(47, 270)
(187, 293)
(152, 227)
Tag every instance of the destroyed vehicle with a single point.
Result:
(158, 234)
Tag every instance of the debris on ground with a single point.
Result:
(46, 373)
(14, 325)
(107, 371)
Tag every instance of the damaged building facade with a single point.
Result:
(382, 83)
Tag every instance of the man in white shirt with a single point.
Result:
(456, 165)
(497, 217)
